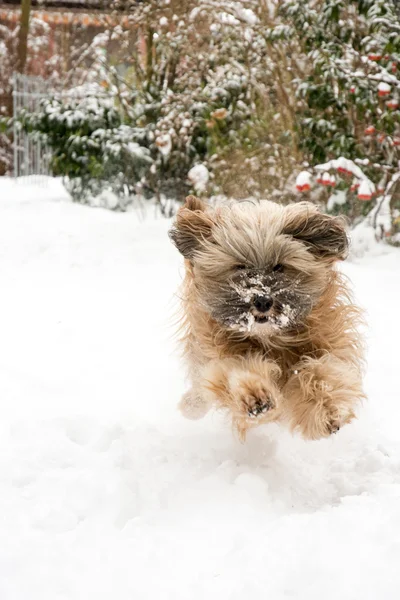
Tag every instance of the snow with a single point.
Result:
(303, 177)
(384, 88)
(164, 144)
(106, 491)
(338, 198)
(247, 15)
(303, 181)
(341, 162)
(366, 190)
(364, 242)
(106, 199)
(199, 177)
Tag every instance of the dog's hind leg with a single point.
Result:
(193, 406)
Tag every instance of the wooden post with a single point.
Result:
(23, 34)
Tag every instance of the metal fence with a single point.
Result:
(31, 156)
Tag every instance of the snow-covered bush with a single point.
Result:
(237, 97)
(197, 85)
(379, 215)
(91, 147)
(65, 58)
(210, 90)
(349, 100)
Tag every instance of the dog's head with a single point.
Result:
(261, 267)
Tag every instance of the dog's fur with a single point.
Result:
(301, 360)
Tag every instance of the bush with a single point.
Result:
(349, 100)
(91, 147)
(200, 91)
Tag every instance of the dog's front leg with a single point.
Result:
(321, 395)
(247, 387)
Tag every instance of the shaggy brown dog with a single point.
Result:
(270, 331)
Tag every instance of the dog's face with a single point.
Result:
(259, 268)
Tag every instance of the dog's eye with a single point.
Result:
(278, 268)
(240, 267)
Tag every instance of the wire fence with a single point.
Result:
(31, 155)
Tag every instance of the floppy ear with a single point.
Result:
(325, 236)
(192, 226)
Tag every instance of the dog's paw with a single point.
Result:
(323, 421)
(321, 397)
(253, 398)
(336, 417)
(258, 404)
(318, 418)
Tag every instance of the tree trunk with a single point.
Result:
(23, 34)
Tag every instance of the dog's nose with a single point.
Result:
(262, 303)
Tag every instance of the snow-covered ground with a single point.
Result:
(107, 492)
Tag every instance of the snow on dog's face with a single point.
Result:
(258, 268)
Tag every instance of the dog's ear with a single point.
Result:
(192, 226)
(324, 235)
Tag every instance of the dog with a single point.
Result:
(269, 328)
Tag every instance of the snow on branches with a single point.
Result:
(381, 212)
(348, 100)
(199, 89)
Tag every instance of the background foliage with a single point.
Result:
(234, 98)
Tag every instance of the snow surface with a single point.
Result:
(107, 492)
